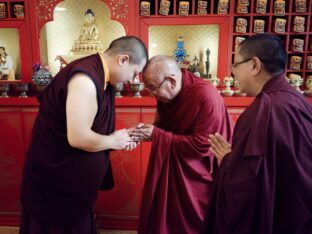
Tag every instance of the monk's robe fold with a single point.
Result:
(180, 169)
(265, 184)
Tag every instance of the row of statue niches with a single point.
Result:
(298, 25)
(18, 10)
(242, 6)
(293, 79)
(295, 45)
(183, 7)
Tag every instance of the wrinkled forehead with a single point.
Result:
(151, 75)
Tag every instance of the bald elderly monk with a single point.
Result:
(264, 184)
(181, 168)
(67, 162)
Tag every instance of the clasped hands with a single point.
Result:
(141, 132)
(129, 139)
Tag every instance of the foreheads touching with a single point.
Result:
(126, 58)
(159, 68)
(162, 77)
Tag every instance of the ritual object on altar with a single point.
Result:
(296, 81)
(228, 81)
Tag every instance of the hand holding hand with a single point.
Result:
(132, 145)
(122, 140)
(142, 132)
(219, 146)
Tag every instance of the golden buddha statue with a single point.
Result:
(87, 41)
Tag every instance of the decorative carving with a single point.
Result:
(119, 11)
(45, 9)
(119, 162)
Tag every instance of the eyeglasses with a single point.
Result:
(155, 90)
(234, 65)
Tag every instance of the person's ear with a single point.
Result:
(172, 80)
(123, 59)
(257, 65)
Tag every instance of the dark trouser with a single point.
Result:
(31, 226)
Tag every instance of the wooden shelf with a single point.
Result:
(269, 18)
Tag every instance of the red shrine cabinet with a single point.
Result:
(51, 33)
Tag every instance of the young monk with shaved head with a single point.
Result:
(181, 168)
(67, 162)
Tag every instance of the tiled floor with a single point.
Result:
(14, 230)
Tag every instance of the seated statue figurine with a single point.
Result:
(88, 39)
(89, 30)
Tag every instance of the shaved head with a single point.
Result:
(131, 46)
(163, 77)
(159, 66)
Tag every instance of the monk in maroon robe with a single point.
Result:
(67, 162)
(181, 167)
(264, 184)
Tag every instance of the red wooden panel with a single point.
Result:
(29, 115)
(122, 202)
(148, 116)
(235, 112)
(11, 159)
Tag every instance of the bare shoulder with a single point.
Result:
(82, 83)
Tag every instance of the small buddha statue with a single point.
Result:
(88, 39)
(89, 30)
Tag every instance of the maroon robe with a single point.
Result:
(180, 169)
(265, 184)
(60, 183)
